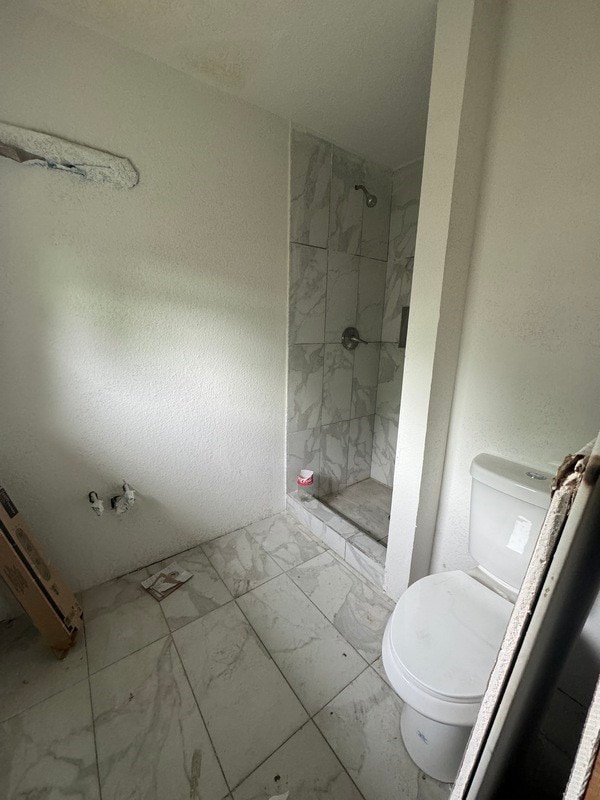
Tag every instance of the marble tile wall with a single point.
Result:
(338, 278)
(406, 187)
(310, 188)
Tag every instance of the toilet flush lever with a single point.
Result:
(351, 339)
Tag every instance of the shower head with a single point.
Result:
(370, 199)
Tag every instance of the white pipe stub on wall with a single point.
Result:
(119, 503)
(122, 503)
(40, 149)
(96, 503)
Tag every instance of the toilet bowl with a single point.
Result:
(438, 649)
(442, 639)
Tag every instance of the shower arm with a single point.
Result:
(370, 199)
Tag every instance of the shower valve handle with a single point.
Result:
(351, 339)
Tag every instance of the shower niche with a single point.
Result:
(352, 238)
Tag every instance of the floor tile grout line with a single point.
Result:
(258, 766)
(304, 724)
(338, 759)
(169, 633)
(43, 700)
(343, 689)
(268, 653)
(343, 563)
(89, 684)
(233, 599)
(133, 652)
(322, 613)
(340, 559)
(203, 543)
(354, 572)
(284, 570)
(322, 732)
(325, 617)
(187, 549)
(333, 623)
(270, 656)
(310, 716)
(189, 683)
(231, 591)
(273, 558)
(210, 739)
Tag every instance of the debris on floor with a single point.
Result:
(166, 581)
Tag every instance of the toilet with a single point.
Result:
(441, 641)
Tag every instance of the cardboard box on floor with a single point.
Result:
(42, 593)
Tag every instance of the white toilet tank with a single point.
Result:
(508, 505)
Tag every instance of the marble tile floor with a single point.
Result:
(367, 504)
(261, 676)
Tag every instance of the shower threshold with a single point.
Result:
(347, 539)
(367, 505)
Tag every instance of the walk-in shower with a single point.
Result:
(350, 277)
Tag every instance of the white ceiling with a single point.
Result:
(355, 71)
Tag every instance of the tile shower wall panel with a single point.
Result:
(385, 436)
(376, 223)
(308, 284)
(310, 187)
(305, 386)
(338, 364)
(403, 229)
(371, 291)
(398, 283)
(360, 447)
(346, 211)
(333, 474)
(364, 380)
(338, 274)
(303, 452)
(406, 193)
(342, 294)
(403, 235)
(389, 388)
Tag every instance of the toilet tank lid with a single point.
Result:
(518, 480)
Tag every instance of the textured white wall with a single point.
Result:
(528, 380)
(143, 331)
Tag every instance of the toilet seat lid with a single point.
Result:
(446, 631)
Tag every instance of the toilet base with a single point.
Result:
(435, 747)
